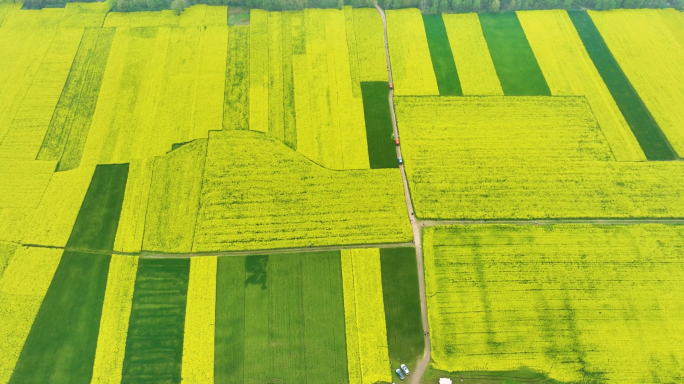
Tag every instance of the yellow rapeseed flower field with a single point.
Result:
(647, 45)
(198, 338)
(51, 222)
(173, 202)
(370, 45)
(259, 194)
(524, 157)
(116, 310)
(258, 70)
(129, 233)
(364, 314)
(581, 303)
(476, 70)
(569, 71)
(23, 286)
(409, 53)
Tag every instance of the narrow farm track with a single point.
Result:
(422, 365)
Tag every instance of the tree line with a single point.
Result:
(427, 6)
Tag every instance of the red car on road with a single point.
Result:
(391, 86)
(396, 141)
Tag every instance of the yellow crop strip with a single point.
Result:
(560, 299)
(650, 55)
(276, 127)
(22, 288)
(129, 233)
(370, 45)
(198, 340)
(208, 103)
(172, 205)
(236, 98)
(476, 70)
(258, 70)
(116, 310)
(568, 70)
(53, 219)
(365, 316)
(409, 53)
(330, 124)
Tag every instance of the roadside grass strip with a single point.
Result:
(52, 221)
(569, 71)
(280, 318)
(31, 82)
(640, 54)
(129, 235)
(441, 56)
(236, 93)
(367, 356)
(476, 72)
(512, 56)
(198, 339)
(412, 69)
(23, 285)
(154, 343)
(116, 311)
(259, 194)
(560, 299)
(62, 343)
(525, 158)
(258, 70)
(379, 130)
(68, 129)
(401, 296)
(174, 197)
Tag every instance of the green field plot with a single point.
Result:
(402, 305)
(63, 338)
(442, 58)
(61, 345)
(645, 129)
(68, 130)
(564, 300)
(236, 99)
(280, 318)
(524, 157)
(513, 58)
(379, 132)
(154, 345)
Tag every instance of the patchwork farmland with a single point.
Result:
(323, 195)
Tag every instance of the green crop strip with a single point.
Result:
(68, 129)
(236, 96)
(645, 129)
(515, 64)
(402, 305)
(61, 345)
(154, 345)
(280, 317)
(376, 112)
(98, 218)
(442, 58)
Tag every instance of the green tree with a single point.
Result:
(178, 6)
(476, 6)
(495, 6)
